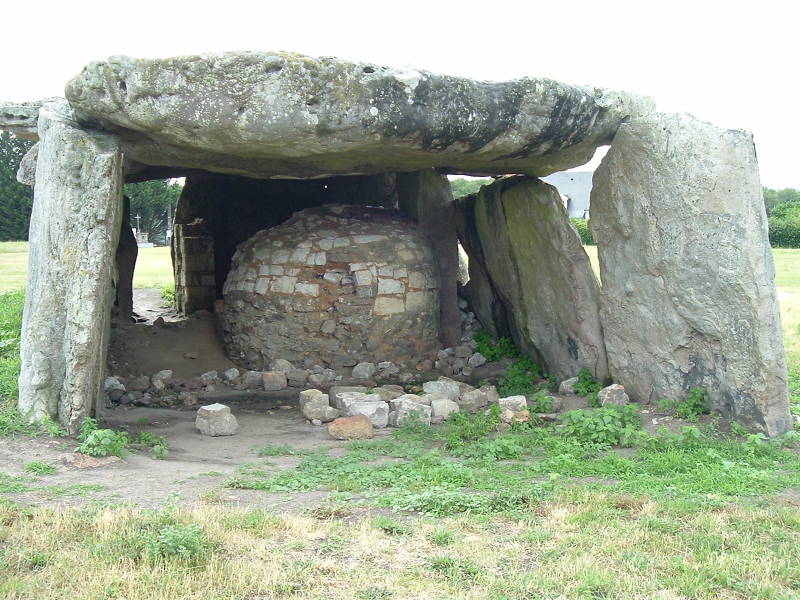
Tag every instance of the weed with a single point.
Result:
(278, 450)
(40, 468)
(168, 294)
(520, 378)
(102, 442)
(455, 569)
(587, 387)
(695, 404)
(157, 443)
(492, 350)
(187, 543)
(540, 402)
(463, 427)
(606, 426)
(441, 536)
(391, 526)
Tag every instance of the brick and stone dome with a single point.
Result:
(333, 285)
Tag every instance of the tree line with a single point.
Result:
(153, 201)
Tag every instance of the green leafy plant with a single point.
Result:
(520, 378)
(102, 442)
(492, 350)
(391, 526)
(695, 404)
(607, 426)
(168, 294)
(587, 387)
(541, 402)
(463, 427)
(185, 542)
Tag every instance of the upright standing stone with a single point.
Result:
(688, 293)
(517, 232)
(75, 226)
(427, 198)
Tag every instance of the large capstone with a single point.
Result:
(688, 280)
(333, 285)
(266, 114)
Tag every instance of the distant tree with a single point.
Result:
(463, 187)
(153, 201)
(773, 198)
(16, 199)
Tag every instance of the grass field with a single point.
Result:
(535, 512)
(153, 266)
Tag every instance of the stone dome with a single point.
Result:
(334, 285)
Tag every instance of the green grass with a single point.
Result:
(153, 267)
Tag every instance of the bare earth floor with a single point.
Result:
(196, 463)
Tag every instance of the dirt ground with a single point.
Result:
(197, 465)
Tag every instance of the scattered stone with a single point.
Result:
(297, 377)
(336, 390)
(376, 412)
(387, 394)
(112, 383)
(513, 403)
(345, 400)
(252, 380)
(319, 379)
(363, 370)
(426, 400)
(162, 375)
(188, 399)
(442, 408)
(424, 365)
(231, 375)
(314, 405)
(357, 427)
(443, 388)
(209, 377)
(404, 410)
(191, 355)
(280, 364)
(274, 381)
(476, 360)
(474, 400)
(613, 394)
(515, 416)
(139, 384)
(568, 386)
(216, 420)
(316, 422)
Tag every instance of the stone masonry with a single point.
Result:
(335, 284)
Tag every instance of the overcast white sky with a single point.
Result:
(732, 63)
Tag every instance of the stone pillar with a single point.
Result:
(689, 295)
(427, 197)
(530, 263)
(74, 231)
(127, 251)
(195, 287)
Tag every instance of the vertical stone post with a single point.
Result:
(427, 197)
(194, 267)
(74, 231)
(688, 296)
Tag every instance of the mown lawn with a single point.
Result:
(153, 267)
(446, 512)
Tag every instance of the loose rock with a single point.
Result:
(216, 420)
(357, 427)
